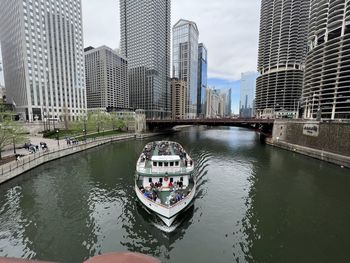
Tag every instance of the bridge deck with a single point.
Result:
(211, 121)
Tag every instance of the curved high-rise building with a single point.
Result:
(326, 91)
(282, 50)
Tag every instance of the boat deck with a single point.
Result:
(165, 193)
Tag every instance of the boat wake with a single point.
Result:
(166, 229)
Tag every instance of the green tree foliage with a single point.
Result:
(10, 131)
(97, 122)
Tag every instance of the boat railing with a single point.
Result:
(150, 200)
(169, 206)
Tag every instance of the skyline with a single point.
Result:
(232, 50)
(233, 17)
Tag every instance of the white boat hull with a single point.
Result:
(165, 213)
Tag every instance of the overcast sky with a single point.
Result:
(228, 28)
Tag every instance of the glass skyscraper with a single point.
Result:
(145, 42)
(202, 79)
(247, 97)
(185, 60)
(43, 56)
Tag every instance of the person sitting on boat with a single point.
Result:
(170, 185)
(178, 197)
(147, 194)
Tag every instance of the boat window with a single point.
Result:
(172, 180)
(161, 180)
(154, 163)
(176, 163)
(150, 180)
(191, 163)
(181, 179)
(166, 164)
(171, 163)
(160, 164)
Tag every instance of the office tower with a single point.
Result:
(226, 95)
(107, 85)
(202, 79)
(326, 91)
(145, 42)
(185, 60)
(247, 96)
(215, 104)
(282, 51)
(43, 56)
(179, 98)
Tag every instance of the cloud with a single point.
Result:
(228, 28)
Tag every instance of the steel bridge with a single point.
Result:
(263, 126)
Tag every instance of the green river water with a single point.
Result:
(254, 203)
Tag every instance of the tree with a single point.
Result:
(10, 131)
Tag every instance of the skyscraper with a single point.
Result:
(185, 60)
(107, 85)
(145, 42)
(202, 78)
(247, 97)
(179, 98)
(226, 96)
(43, 56)
(326, 91)
(282, 51)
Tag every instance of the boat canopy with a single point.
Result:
(164, 158)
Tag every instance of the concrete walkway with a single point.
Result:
(15, 168)
(51, 144)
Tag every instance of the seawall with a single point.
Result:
(11, 170)
(328, 141)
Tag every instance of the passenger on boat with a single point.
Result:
(158, 201)
(170, 185)
(147, 194)
(178, 197)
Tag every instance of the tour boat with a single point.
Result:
(164, 181)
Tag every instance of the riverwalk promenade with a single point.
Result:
(15, 168)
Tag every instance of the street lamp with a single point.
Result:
(58, 138)
(14, 144)
(84, 129)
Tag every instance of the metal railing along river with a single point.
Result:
(28, 162)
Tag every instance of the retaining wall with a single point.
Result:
(322, 140)
(24, 164)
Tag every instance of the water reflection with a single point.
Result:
(253, 204)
